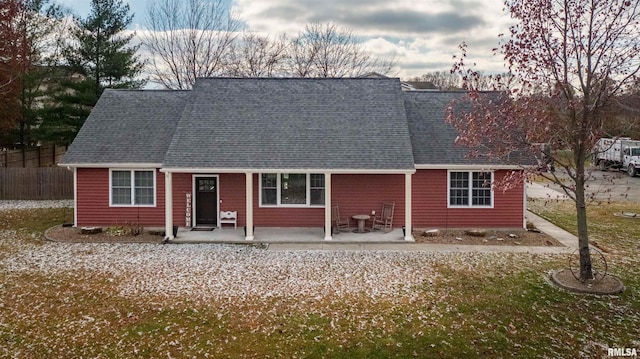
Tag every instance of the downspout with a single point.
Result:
(75, 196)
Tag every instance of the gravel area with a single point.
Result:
(218, 271)
(202, 272)
(29, 204)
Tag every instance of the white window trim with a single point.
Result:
(133, 188)
(279, 189)
(470, 188)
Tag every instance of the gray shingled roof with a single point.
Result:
(225, 123)
(128, 126)
(432, 137)
(269, 123)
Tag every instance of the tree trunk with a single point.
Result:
(583, 234)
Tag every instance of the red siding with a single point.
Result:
(283, 216)
(361, 194)
(430, 205)
(355, 194)
(232, 190)
(181, 186)
(93, 202)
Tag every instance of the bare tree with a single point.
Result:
(188, 39)
(254, 55)
(442, 80)
(31, 37)
(14, 49)
(573, 60)
(447, 80)
(324, 50)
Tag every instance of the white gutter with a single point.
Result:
(468, 167)
(285, 170)
(111, 165)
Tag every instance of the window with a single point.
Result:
(129, 188)
(316, 189)
(459, 188)
(269, 192)
(121, 187)
(291, 189)
(143, 187)
(470, 189)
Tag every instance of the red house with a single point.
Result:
(279, 151)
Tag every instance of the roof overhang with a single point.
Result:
(468, 167)
(111, 165)
(288, 170)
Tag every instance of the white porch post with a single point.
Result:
(524, 203)
(168, 205)
(327, 206)
(408, 236)
(75, 196)
(249, 206)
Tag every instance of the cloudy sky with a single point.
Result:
(422, 35)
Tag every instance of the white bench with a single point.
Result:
(229, 217)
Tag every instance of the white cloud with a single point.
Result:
(423, 35)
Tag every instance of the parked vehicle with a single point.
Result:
(621, 153)
(544, 157)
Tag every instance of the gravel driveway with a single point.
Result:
(610, 185)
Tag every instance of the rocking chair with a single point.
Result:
(339, 224)
(385, 220)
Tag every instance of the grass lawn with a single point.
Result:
(81, 300)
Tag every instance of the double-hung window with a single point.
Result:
(292, 189)
(470, 189)
(132, 187)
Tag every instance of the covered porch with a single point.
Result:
(358, 192)
(285, 235)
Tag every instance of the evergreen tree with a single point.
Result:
(102, 52)
(72, 98)
(100, 56)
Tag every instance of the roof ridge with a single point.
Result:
(143, 90)
(296, 78)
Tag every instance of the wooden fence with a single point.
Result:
(40, 156)
(36, 183)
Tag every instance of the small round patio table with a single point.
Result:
(361, 218)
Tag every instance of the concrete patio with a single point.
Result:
(286, 239)
(285, 235)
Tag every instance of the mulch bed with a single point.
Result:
(73, 235)
(498, 238)
(607, 285)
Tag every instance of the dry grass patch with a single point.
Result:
(147, 300)
(611, 233)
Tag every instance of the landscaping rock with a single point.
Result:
(476, 232)
(90, 230)
(432, 233)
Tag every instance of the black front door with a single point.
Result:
(206, 201)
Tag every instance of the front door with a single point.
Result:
(206, 201)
